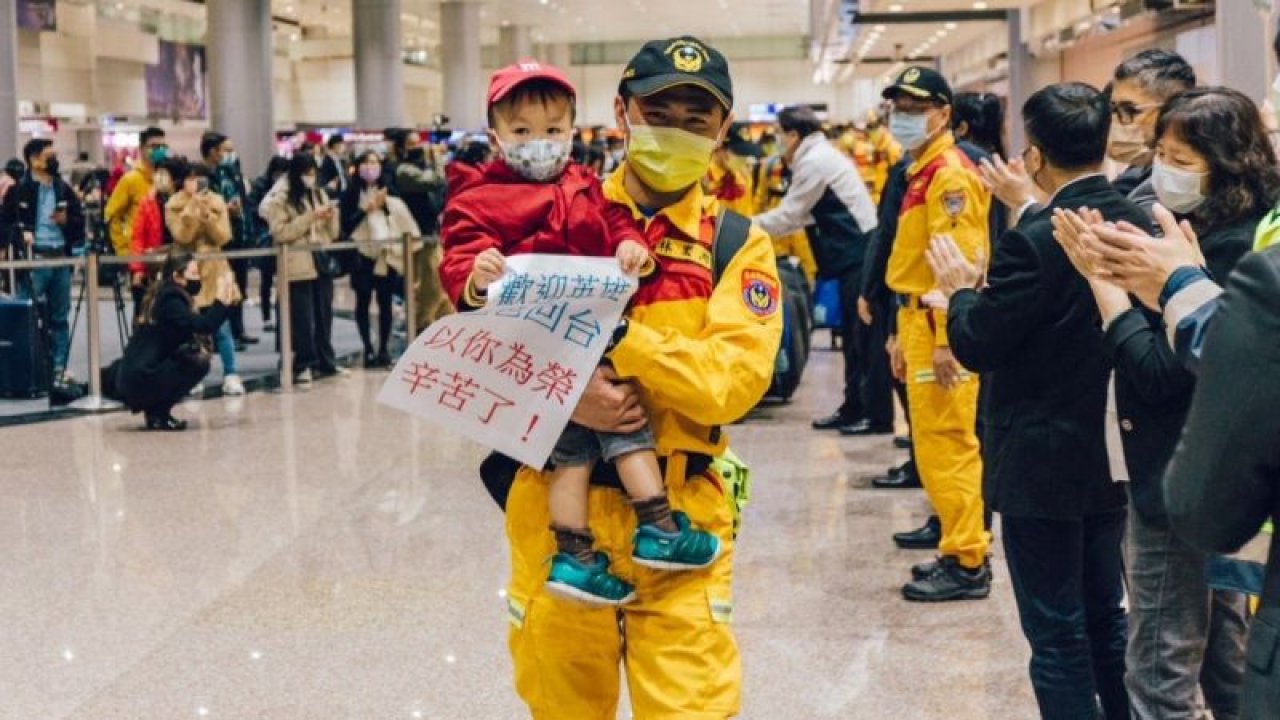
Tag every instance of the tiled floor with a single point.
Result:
(315, 555)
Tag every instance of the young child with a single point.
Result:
(531, 199)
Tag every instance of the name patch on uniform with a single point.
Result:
(760, 293)
(953, 203)
(684, 250)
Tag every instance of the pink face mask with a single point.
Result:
(370, 173)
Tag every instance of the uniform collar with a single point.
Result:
(685, 214)
(941, 144)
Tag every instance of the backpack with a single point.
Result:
(498, 471)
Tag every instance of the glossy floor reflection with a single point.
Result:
(315, 555)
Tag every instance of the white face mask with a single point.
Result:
(1178, 190)
(537, 160)
(910, 130)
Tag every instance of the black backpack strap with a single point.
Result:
(731, 235)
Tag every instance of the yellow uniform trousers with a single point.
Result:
(946, 442)
(569, 658)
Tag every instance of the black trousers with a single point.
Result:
(867, 379)
(1068, 579)
(266, 278)
(240, 270)
(326, 359)
(302, 316)
(367, 285)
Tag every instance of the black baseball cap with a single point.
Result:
(922, 83)
(663, 64)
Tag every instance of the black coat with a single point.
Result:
(1224, 478)
(151, 376)
(22, 202)
(1153, 389)
(1036, 330)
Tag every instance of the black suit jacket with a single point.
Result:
(1224, 478)
(1036, 330)
(1153, 388)
(330, 169)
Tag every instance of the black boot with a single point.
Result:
(165, 422)
(948, 580)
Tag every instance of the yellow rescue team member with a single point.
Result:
(701, 355)
(888, 153)
(729, 181)
(855, 143)
(775, 180)
(944, 196)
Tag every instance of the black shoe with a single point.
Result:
(924, 570)
(949, 581)
(384, 359)
(165, 422)
(247, 340)
(902, 442)
(925, 537)
(903, 477)
(269, 327)
(831, 422)
(370, 360)
(860, 428)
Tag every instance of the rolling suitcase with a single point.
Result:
(24, 361)
(827, 311)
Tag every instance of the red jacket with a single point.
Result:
(148, 231)
(492, 207)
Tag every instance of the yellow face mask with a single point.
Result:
(667, 159)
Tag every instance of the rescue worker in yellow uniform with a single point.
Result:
(888, 153)
(698, 354)
(775, 180)
(729, 181)
(855, 143)
(944, 196)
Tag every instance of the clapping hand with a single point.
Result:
(1074, 232)
(1139, 263)
(951, 270)
(1009, 182)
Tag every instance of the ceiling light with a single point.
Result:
(880, 28)
(979, 6)
(895, 8)
(544, 2)
(951, 26)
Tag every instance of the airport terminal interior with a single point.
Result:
(601, 359)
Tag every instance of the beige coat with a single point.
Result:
(201, 224)
(294, 226)
(398, 223)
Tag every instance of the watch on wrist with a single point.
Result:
(619, 332)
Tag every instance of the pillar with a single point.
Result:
(1244, 48)
(1018, 22)
(464, 84)
(241, 81)
(558, 54)
(515, 42)
(379, 64)
(8, 79)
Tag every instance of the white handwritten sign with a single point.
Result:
(509, 375)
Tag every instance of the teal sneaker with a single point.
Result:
(687, 549)
(591, 584)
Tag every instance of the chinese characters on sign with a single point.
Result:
(509, 375)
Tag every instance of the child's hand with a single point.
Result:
(632, 257)
(490, 265)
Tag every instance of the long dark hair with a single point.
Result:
(175, 261)
(984, 116)
(350, 207)
(299, 165)
(1225, 126)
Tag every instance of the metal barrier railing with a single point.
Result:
(93, 262)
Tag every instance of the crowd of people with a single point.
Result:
(1059, 328)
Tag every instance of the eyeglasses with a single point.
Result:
(1127, 112)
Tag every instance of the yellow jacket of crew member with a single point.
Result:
(944, 197)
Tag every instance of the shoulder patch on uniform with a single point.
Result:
(760, 292)
(953, 202)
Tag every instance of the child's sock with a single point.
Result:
(655, 511)
(580, 544)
